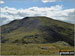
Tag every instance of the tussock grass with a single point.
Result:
(34, 49)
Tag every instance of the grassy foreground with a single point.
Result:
(34, 49)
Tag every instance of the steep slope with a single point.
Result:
(37, 30)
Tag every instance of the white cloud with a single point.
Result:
(1, 1)
(45, 1)
(55, 12)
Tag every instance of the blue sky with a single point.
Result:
(57, 9)
(26, 4)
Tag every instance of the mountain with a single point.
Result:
(37, 30)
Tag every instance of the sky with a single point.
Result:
(17, 9)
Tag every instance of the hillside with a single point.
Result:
(37, 30)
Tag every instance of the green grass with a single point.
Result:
(33, 49)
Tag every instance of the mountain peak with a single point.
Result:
(38, 30)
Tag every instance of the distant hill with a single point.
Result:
(37, 30)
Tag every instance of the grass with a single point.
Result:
(33, 49)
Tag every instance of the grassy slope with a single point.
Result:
(34, 49)
(16, 38)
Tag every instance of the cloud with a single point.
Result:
(1, 2)
(45, 1)
(55, 12)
